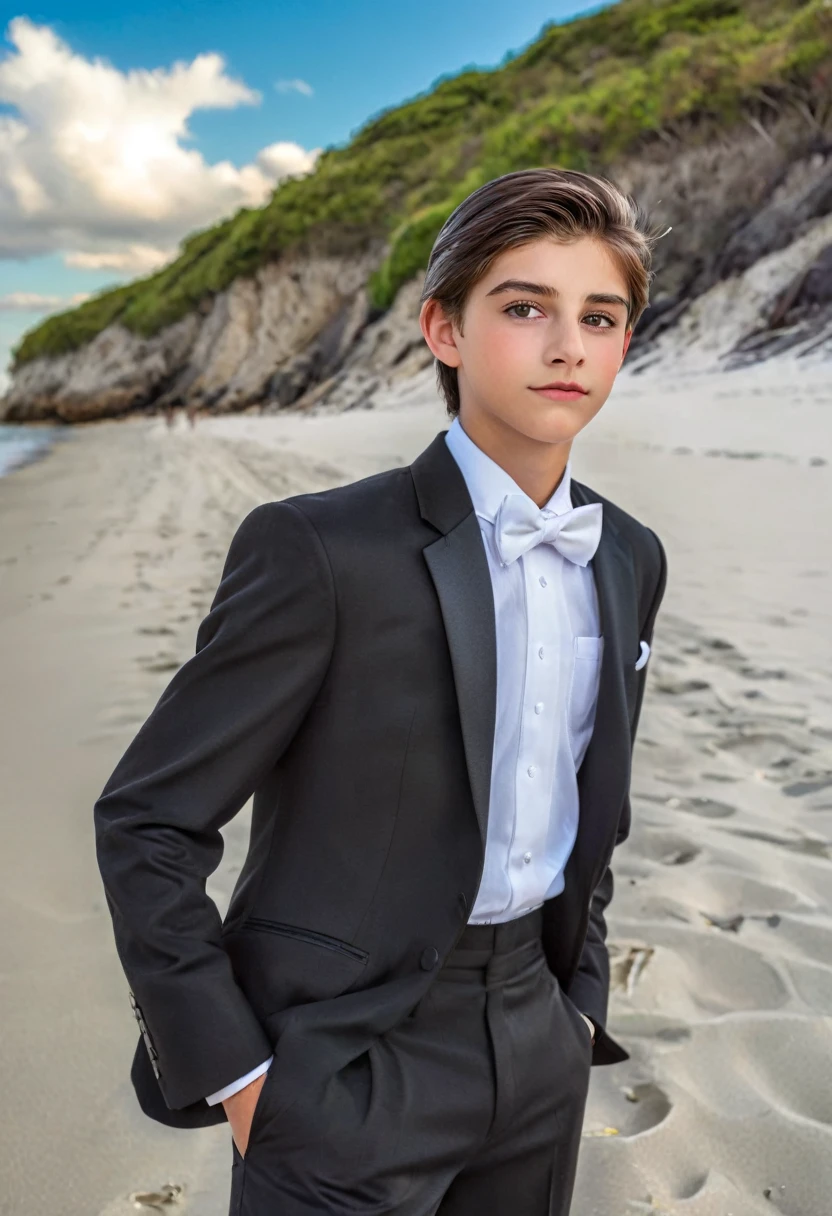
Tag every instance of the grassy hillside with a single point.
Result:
(581, 96)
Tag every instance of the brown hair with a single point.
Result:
(520, 207)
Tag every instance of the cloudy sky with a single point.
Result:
(125, 127)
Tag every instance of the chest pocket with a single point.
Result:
(582, 699)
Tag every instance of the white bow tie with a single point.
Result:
(520, 525)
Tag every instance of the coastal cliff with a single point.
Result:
(314, 298)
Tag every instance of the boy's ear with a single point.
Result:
(627, 336)
(438, 333)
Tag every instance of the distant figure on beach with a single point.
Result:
(170, 417)
(191, 411)
(399, 1012)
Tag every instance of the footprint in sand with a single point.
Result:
(669, 848)
(705, 973)
(724, 892)
(159, 662)
(809, 846)
(751, 672)
(628, 1111)
(799, 789)
(781, 1060)
(705, 808)
(658, 1027)
(759, 748)
(680, 688)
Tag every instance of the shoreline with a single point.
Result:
(17, 448)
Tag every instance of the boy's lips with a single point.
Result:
(561, 391)
(569, 386)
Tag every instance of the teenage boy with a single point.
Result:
(430, 680)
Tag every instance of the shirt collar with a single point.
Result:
(488, 483)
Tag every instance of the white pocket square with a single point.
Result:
(644, 656)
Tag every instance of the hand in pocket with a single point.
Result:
(239, 1109)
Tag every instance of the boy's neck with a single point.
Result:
(537, 468)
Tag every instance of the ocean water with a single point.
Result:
(20, 445)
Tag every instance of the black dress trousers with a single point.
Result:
(473, 1106)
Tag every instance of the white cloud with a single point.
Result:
(283, 159)
(294, 86)
(133, 259)
(92, 162)
(32, 301)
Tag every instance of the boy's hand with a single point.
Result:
(590, 1024)
(239, 1109)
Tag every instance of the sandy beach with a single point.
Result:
(721, 926)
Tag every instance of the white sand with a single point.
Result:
(721, 926)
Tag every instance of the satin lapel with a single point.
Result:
(459, 569)
(458, 566)
(604, 776)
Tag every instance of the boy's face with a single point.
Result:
(518, 338)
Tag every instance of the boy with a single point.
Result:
(430, 680)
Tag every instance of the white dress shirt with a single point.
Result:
(548, 671)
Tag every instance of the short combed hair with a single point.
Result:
(524, 206)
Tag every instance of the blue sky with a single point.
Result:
(292, 78)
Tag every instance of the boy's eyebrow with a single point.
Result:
(542, 289)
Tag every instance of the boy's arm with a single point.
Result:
(221, 725)
(589, 989)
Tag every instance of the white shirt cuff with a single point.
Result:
(241, 1083)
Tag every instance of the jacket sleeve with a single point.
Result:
(589, 990)
(220, 726)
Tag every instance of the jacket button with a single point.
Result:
(430, 957)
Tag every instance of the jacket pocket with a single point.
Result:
(279, 965)
(261, 925)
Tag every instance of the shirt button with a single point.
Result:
(429, 959)
(527, 857)
(531, 770)
(538, 709)
(540, 653)
(542, 581)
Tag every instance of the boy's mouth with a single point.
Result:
(561, 390)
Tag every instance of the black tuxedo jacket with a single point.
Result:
(345, 676)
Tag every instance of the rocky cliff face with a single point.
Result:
(746, 272)
(265, 339)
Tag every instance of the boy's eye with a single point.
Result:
(525, 304)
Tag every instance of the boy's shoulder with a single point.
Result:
(377, 508)
(644, 544)
(356, 499)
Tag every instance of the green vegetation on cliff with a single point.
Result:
(583, 94)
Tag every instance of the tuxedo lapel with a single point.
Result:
(456, 564)
(459, 568)
(604, 775)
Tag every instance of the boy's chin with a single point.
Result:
(556, 428)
